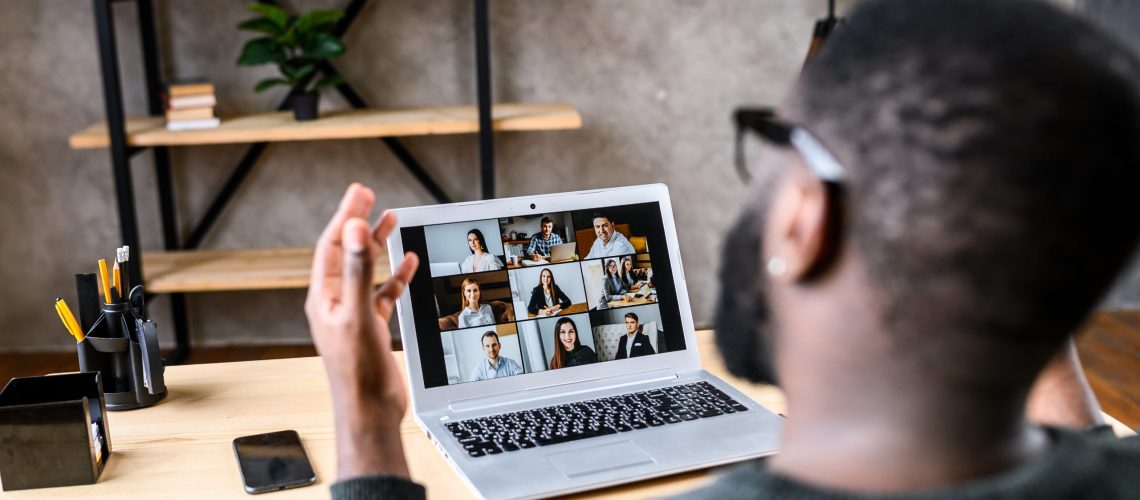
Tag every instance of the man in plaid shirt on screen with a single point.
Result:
(540, 244)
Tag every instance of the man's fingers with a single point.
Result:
(326, 257)
(357, 202)
(382, 230)
(390, 292)
(357, 282)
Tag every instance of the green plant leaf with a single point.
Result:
(327, 81)
(293, 72)
(260, 24)
(261, 51)
(318, 20)
(269, 82)
(274, 13)
(323, 46)
(304, 71)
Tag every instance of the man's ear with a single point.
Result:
(799, 242)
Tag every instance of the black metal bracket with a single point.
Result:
(121, 153)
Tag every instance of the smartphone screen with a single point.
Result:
(273, 461)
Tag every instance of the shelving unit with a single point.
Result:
(352, 124)
(181, 268)
(228, 270)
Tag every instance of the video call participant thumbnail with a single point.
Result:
(633, 279)
(613, 286)
(480, 260)
(540, 244)
(569, 350)
(546, 299)
(634, 343)
(472, 312)
(610, 243)
(494, 365)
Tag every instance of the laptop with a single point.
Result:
(562, 252)
(441, 268)
(524, 405)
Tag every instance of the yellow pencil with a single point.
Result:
(106, 280)
(116, 278)
(60, 307)
(71, 319)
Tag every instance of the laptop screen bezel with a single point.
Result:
(426, 399)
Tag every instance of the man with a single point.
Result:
(960, 193)
(494, 366)
(540, 244)
(634, 343)
(609, 243)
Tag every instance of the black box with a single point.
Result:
(53, 431)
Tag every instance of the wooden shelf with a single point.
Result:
(350, 124)
(222, 270)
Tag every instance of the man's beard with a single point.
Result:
(744, 330)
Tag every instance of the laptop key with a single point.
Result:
(475, 453)
(510, 446)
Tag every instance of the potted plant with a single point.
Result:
(296, 45)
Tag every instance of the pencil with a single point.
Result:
(116, 278)
(123, 255)
(105, 281)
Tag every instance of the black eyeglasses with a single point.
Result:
(816, 157)
(763, 122)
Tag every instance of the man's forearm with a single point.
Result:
(368, 440)
(1061, 396)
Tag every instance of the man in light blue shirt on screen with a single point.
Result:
(610, 243)
(494, 366)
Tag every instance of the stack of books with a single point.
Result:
(190, 106)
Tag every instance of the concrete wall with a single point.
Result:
(655, 81)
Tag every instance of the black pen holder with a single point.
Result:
(53, 431)
(125, 351)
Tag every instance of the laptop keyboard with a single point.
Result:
(596, 417)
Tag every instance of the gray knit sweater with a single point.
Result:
(1093, 465)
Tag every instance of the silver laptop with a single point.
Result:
(551, 400)
(564, 251)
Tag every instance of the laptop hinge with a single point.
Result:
(558, 391)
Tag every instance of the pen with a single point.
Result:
(68, 319)
(105, 281)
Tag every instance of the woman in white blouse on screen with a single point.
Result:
(480, 260)
(474, 313)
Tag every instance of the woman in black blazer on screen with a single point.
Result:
(547, 299)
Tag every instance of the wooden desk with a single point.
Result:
(635, 301)
(521, 265)
(181, 448)
(573, 309)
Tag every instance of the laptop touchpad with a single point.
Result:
(600, 458)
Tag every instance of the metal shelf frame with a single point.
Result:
(121, 154)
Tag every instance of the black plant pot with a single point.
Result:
(305, 106)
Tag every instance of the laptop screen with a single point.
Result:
(524, 294)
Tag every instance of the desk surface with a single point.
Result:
(181, 448)
(573, 309)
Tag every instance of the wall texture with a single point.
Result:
(655, 81)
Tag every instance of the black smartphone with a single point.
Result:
(273, 461)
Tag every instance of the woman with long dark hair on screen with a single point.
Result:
(480, 259)
(473, 313)
(613, 288)
(547, 299)
(626, 270)
(568, 350)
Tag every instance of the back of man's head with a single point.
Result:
(993, 149)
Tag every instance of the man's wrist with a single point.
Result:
(368, 438)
